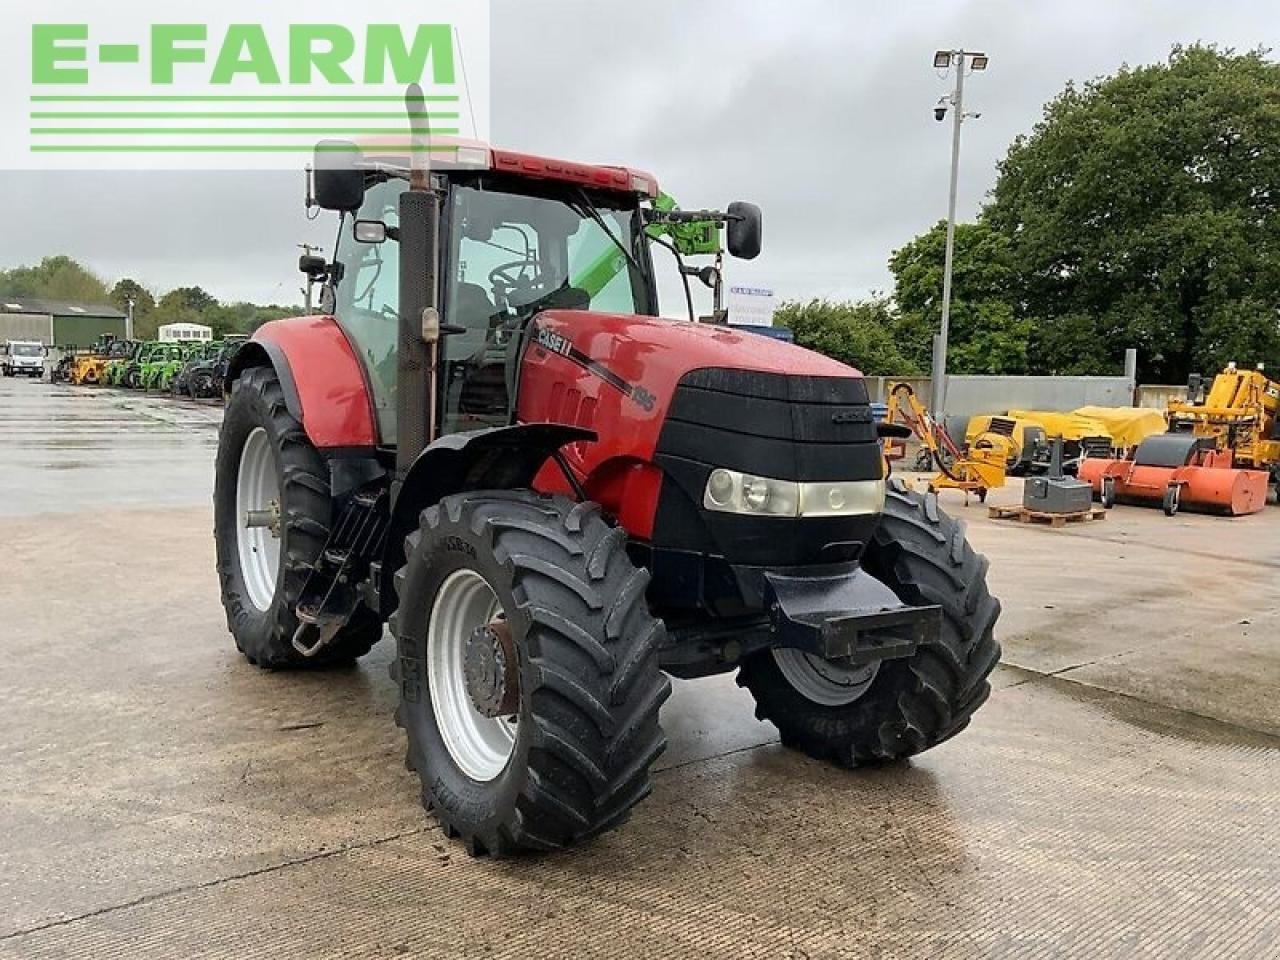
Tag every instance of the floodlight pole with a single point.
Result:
(939, 382)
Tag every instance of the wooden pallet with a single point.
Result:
(1055, 520)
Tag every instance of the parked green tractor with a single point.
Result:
(113, 373)
(172, 366)
(131, 376)
(205, 378)
(200, 353)
(161, 359)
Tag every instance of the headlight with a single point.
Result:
(729, 491)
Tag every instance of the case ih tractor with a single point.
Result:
(554, 498)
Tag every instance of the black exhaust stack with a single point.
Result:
(418, 345)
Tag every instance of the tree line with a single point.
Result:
(62, 278)
(1142, 210)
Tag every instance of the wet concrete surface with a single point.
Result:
(162, 798)
(76, 449)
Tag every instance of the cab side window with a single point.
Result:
(367, 300)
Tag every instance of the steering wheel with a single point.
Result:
(503, 272)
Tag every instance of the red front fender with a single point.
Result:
(323, 382)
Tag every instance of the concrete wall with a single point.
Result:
(1158, 395)
(969, 395)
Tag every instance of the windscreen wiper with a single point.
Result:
(589, 208)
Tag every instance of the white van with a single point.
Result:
(24, 357)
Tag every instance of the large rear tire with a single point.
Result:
(266, 462)
(902, 707)
(553, 576)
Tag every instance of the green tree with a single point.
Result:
(188, 299)
(54, 278)
(987, 334)
(127, 289)
(857, 333)
(1144, 210)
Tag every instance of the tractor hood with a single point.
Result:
(592, 368)
(677, 346)
(670, 401)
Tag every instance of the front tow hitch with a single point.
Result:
(848, 616)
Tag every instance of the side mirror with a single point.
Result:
(369, 231)
(339, 183)
(743, 230)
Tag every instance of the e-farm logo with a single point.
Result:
(229, 88)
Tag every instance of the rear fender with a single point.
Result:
(501, 458)
(321, 376)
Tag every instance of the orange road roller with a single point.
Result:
(1176, 470)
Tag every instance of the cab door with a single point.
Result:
(367, 300)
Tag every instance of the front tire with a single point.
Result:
(266, 463)
(573, 758)
(901, 707)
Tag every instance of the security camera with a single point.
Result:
(939, 112)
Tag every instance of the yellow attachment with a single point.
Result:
(1068, 426)
(979, 425)
(981, 469)
(1239, 414)
(1127, 426)
(1124, 426)
(87, 368)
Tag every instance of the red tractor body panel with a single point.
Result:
(336, 408)
(616, 374)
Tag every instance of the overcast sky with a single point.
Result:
(818, 110)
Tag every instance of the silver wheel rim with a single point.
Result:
(481, 746)
(825, 682)
(257, 490)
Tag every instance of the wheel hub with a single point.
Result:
(489, 668)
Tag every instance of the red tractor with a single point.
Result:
(554, 497)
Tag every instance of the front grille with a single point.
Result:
(1002, 426)
(767, 424)
(771, 424)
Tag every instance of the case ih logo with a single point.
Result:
(241, 84)
(555, 342)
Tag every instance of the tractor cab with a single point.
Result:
(515, 236)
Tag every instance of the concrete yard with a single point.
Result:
(162, 798)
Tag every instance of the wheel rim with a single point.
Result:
(825, 682)
(481, 746)
(258, 490)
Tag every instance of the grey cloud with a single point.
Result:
(819, 111)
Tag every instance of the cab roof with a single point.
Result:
(452, 153)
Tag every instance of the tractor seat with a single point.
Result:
(473, 310)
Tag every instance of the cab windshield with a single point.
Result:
(514, 254)
(27, 350)
(514, 247)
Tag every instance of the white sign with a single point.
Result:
(750, 306)
(240, 84)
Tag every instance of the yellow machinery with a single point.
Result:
(1220, 455)
(1240, 414)
(89, 366)
(976, 470)
(1126, 426)
(1087, 431)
